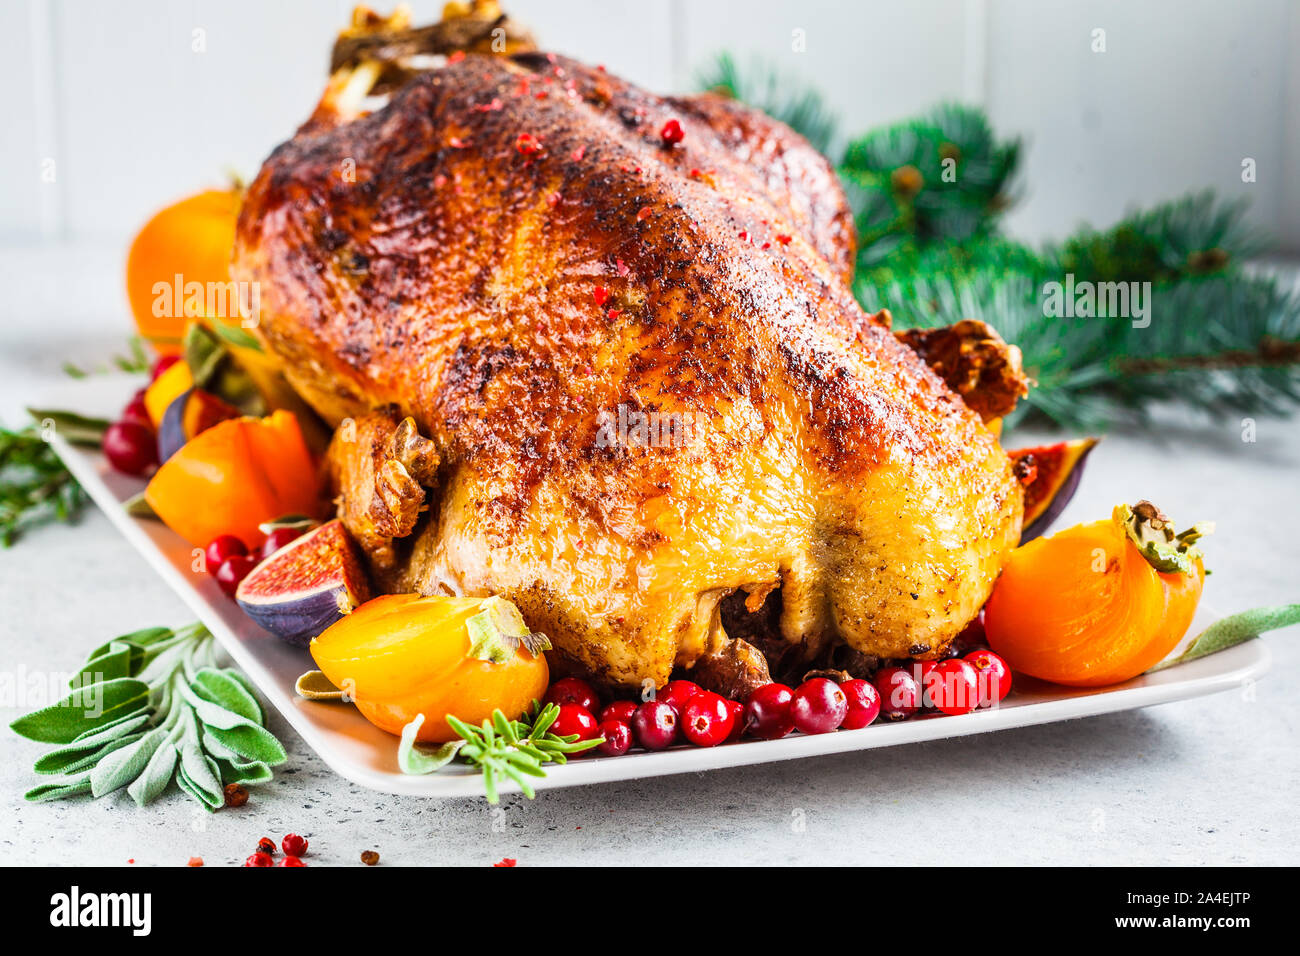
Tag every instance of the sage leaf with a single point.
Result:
(60, 759)
(252, 743)
(84, 709)
(125, 764)
(114, 727)
(214, 715)
(119, 659)
(217, 687)
(67, 761)
(246, 738)
(1233, 630)
(75, 429)
(196, 767)
(142, 638)
(235, 335)
(418, 760)
(57, 790)
(210, 799)
(137, 506)
(314, 685)
(157, 774)
(253, 771)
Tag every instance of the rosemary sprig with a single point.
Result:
(136, 362)
(501, 748)
(148, 708)
(34, 484)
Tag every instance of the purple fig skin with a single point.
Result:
(171, 430)
(1059, 500)
(278, 593)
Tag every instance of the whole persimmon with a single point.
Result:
(191, 239)
(1097, 603)
(401, 655)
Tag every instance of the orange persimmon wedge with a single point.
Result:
(165, 389)
(234, 476)
(1096, 604)
(400, 655)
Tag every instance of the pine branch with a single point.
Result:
(779, 95)
(942, 177)
(1196, 235)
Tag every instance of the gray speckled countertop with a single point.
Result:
(1212, 780)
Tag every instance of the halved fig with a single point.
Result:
(1050, 475)
(313, 581)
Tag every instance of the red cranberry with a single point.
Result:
(953, 687)
(707, 720)
(677, 692)
(575, 719)
(993, 675)
(162, 365)
(259, 859)
(818, 706)
(136, 412)
(221, 547)
(277, 539)
(571, 690)
(618, 738)
(619, 710)
(130, 447)
(672, 133)
(293, 844)
(767, 712)
(655, 725)
(291, 861)
(233, 570)
(900, 694)
(864, 703)
(266, 845)
(737, 719)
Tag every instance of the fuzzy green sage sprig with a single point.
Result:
(500, 748)
(148, 708)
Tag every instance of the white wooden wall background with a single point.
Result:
(111, 92)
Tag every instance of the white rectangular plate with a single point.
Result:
(368, 756)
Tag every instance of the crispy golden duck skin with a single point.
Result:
(510, 254)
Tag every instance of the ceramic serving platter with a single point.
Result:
(367, 756)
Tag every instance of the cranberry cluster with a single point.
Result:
(131, 443)
(684, 711)
(229, 560)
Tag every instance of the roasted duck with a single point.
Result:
(594, 350)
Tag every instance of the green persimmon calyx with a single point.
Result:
(497, 630)
(1151, 530)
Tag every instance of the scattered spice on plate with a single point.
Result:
(236, 795)
(369, 857)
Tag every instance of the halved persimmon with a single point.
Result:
(233, 477)
(1097, 603)
(400, 655)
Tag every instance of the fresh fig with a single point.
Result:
(1050, 475)
(313, 581)
(191, 412)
